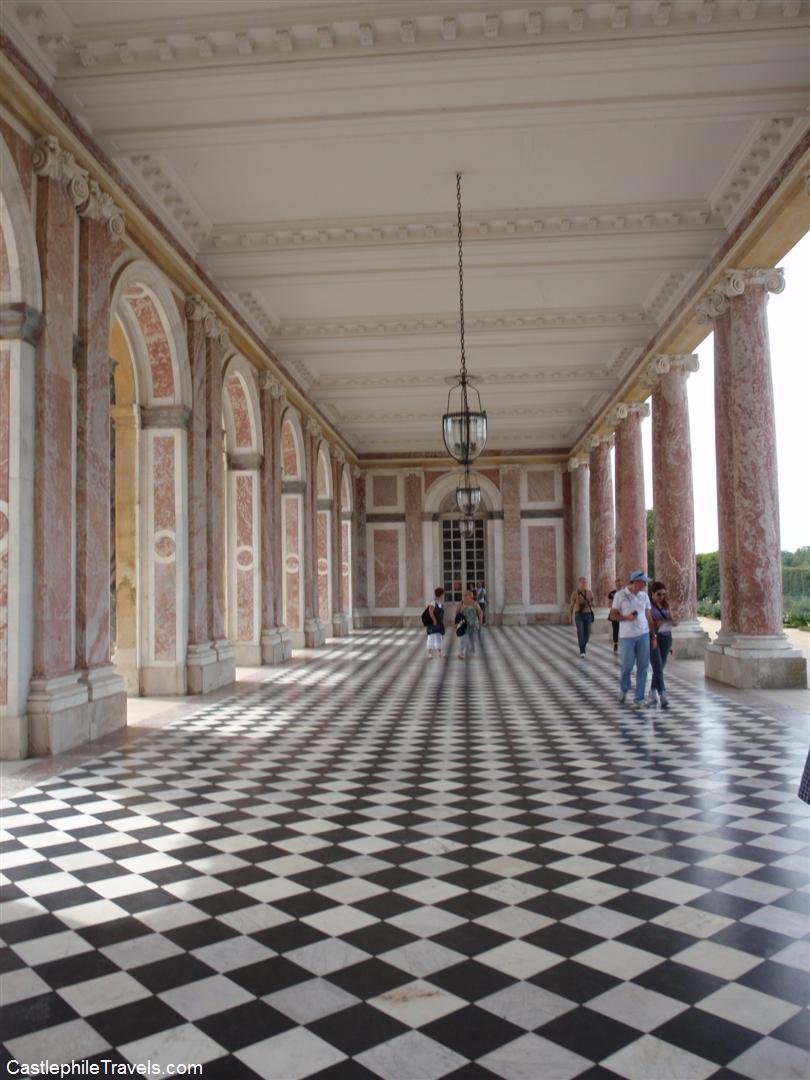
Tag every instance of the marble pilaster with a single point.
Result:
(751, 649)
(361, 615)
(674, 519)
(631, 516)
(275, 638)
(340, 615)
(603, 537)
(580, 505)
(514, 610)
(414, 563)
(314, 630)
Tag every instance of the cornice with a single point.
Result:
(489, 225)
(288, 34)
(734, 283)
(155, 175)
(446, 324)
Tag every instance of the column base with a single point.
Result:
(247, 654)
(168, 681)
(755, 661)
(72, 709)
(340, 624)
(314, 634)
(689, 640)
(514, 615)
(126, 664)
(13, 738)
(362, 619)
(276, 645)
(209, 666)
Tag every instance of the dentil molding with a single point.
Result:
(51, 161)
(734, 283)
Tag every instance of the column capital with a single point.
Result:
(165, 416)
(271, 385)
(198, 310)
(663, 363)
(357, 472)
(579, 462)
(734, 283)
(511, 468)
(52, 162)
(595, 441)
(313, 428)
(624, 409)
(338, 455)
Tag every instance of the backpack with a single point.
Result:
(426, 619)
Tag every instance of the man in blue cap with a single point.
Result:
(631, 609)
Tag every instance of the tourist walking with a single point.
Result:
(614, 623)
(433, 619)
(580, 611)
(470, 611)
(631, 607)
(660, 643)
(481, 597)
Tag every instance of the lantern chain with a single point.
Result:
(460, 278)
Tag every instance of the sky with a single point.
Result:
(789, 330)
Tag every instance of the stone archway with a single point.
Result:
(20, 321)
(293, 482)
(151, 410)
(243, 441)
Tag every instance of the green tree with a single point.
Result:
(708, 576)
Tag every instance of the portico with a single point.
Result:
(269, 261)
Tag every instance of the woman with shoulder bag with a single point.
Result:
(580, 611)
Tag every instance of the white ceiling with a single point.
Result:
(305, 153)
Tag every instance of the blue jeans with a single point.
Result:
(583, 620)
(658, 660)
(634, 650)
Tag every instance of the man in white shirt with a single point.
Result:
(631, 609)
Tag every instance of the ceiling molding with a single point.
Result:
(445, 324)
(484, 225)
(490, 377)
(160, 184)
(308, 33)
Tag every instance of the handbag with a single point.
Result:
(461, 625)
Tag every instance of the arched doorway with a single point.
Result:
(243, 444)
(151, 394)
(293, 482)
(463, 558)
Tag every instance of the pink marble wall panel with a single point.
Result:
(290, 464)
(197, 489)
(542, 564)
(323, 478)
(5, 512)
(345, 491)
(156, 341)
(384, 491)
(414, 571)
(568, 534)
(164, 516)
(215, 478)
(512, 546)
(345, 568)
(240, 411)
(493, 475)
(245, 558)
(540, 485)
(603, 552)
(292, 561)
(631, 515)
(22, 153)
(432, 476)
(323, 565)
(360, 544)
(672, 490)
(93, 462)
(386, 568)
(53, 439)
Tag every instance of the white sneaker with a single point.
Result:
(582, 656)
(622, 698)
(652, 701)
(664, 701)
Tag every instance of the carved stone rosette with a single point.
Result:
(734, 283)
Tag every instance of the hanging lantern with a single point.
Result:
(466, 527)
(468, 495)
(464, 429)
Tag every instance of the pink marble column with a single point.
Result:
(414, 563)
(360, 615)
(580, 505)
(514, 610)
(93, 402)
(210, 655)
(568, 534)
(751, 649)
(275, 638)
(672, 494)
(631, 515)
(314, 631)
(340, 615)
(603, 542)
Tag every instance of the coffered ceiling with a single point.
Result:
(304, 152)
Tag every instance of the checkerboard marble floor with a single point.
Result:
(369, 865)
